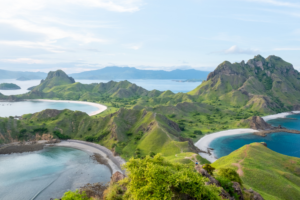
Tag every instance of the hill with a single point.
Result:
(111, 73)
(269, 85)
(127, 132)
(22, 78)
(9, 86)
(5, 74)
(273, 175)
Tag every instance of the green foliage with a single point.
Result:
(155, 178)
(76, 195)
(227, 186)
(208, 168)
(40, 130)
(172, 116)
(198, 132)
(23, 131)
(230, 174)
(61, 136)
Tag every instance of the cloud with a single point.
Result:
(277, 3)
(236, 50)
(287, 49)
(133, 46)
(23, 60)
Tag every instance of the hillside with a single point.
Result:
(127, 132)
(270, 85)
(9, 86)
(111, 73)
(273, 175)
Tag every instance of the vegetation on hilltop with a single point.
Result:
(273, 175)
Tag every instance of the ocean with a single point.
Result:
(282, 142)
(48, 173)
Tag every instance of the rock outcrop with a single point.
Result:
(259, 123)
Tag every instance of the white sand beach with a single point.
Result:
(114, 162)
(279, 115)
(100, 107)
(204, 142)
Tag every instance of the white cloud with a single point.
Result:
(23, 60)
(236, 50)
(277, 3)
(134, 46)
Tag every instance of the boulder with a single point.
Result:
(238, 190)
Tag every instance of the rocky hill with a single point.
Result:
(271, 84)
(9, 86)
(273, 175)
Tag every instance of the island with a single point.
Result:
(9, 86)
(22, 78)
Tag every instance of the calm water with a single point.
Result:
(51, 171)
(284, 143)
(148, 84)
(26, 107)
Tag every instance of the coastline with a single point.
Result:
(114, 162)
(100, 107)
(204, 142)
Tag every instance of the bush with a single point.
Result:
(90, 139)
(157, 178)
(75, 196)
(230, 174)
(209, 168)
(152, 154)
(61, 136)
(23, 131)
(89, 129)
(227, 185)
(182, 127)
(172, 116)
(198, 132)
(128, 133)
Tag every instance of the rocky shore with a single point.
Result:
(19, 147)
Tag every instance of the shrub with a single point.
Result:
(128, 133)
(209, 168)
(181, 127)
(23, 131)
(157, 178)
(152, 154)
(61, 136)
(230, 174)
(90, 138)
(198, 132)
(172, 116)
(89, 129)
(227, 185)
(75, 196)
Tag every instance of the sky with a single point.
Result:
(82, 35)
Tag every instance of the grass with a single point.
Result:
(274, 175)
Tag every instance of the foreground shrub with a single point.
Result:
(209, 168)
(156, 178)
(227, 186)
(230, 174)
(75, 196)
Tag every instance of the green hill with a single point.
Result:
(9, 86)
(273, 175)
(271, 85)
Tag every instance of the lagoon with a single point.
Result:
(284, 143)
(48, 173)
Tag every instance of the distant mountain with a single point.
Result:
(5, 74)
(110, 73)
(269, 85)
(22, 78)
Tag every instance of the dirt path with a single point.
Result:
(240, 170)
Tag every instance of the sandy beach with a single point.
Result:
(204, 142)
(114, 162)
(100, 107)
(279, 115)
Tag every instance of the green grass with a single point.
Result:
(274, 175)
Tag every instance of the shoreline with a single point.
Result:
(204, 142)
(101, 108)
(114, 162)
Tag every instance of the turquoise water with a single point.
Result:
(284, 143)
(52, 171)
(26, 107)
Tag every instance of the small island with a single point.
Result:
(22, 78)
(9, 86)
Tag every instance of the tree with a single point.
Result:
(75, 196)
(230, 174)
(156, 178)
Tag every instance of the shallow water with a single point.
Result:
(26, 107)
(51, 172)
(284, 143)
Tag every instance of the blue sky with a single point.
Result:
(80, 35)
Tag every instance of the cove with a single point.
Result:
(28, 107)
(48, 173)
(282, 142)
